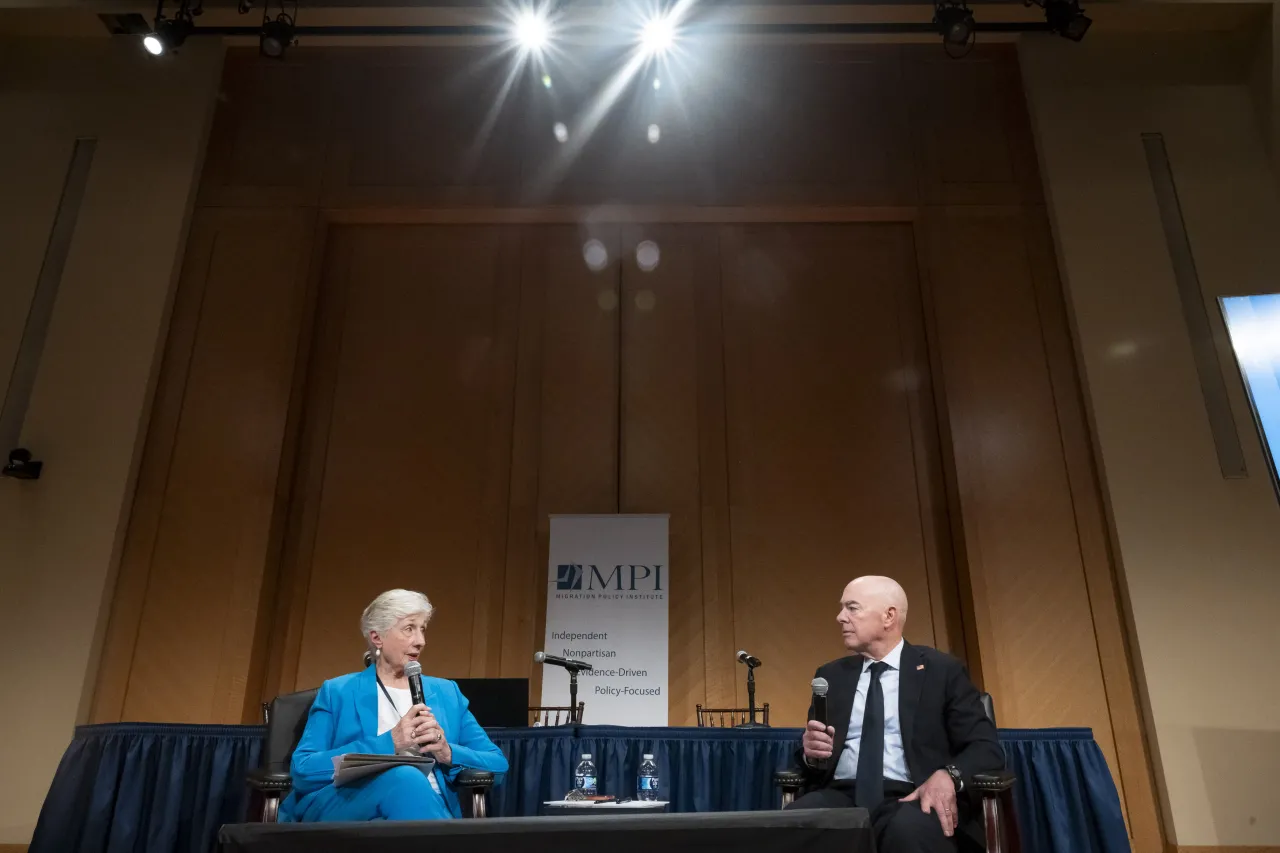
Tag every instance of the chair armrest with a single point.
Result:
(474, 779)
(269, 781)
(993, 783)
(789, 779)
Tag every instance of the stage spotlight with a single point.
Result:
(955, 24)
(658, 34)
(21, 466)
(532, 30)
(1066, 18)
(276, 36)
(168, 35)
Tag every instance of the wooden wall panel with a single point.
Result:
(665, 368)
(414, 487)
(822, 469)
(452, 126)
(608, 154)
(566, 419)
(1031, 597)
(796, 127)
(973, 137)
(198, 548)
(270, 132)
(424, 127)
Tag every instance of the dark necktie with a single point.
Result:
(869, 785)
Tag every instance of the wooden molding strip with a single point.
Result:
(1225, 848)
(617, 214)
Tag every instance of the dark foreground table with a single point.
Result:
(809, 831)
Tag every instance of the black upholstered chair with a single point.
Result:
(285, 719)
(999, 820)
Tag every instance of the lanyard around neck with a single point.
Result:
(387, 693)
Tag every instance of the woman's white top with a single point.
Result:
(389, 716)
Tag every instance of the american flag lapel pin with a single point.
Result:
(919, 667)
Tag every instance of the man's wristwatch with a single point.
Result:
(956, 778)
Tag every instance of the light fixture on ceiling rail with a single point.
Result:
(954, 22)
(1065, 17)
(278, 33)
(168, 34)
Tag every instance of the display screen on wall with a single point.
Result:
(1254, 325)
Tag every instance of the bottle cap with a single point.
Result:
(586, 756)
(648, 757)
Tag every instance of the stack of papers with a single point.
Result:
(358, 765)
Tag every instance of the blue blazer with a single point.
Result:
(344, 718)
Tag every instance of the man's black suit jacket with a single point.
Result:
(943, 721)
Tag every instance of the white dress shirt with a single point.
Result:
(895, 758)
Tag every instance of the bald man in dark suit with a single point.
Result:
(907, 731)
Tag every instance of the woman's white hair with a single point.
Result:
(389, 608)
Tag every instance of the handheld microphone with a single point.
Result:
(820, 688)
(750, 660)
(571, 665)
(413, 672)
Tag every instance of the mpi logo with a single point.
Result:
(568, 577)
(624, 578)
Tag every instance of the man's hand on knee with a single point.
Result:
(937, 795)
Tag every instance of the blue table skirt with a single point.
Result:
(133, 787)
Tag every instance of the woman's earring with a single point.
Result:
(377, 653)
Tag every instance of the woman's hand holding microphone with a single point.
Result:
(418, 728)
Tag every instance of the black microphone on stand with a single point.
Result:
(543, 657)
(413, 672)
(752, 662)
(820, 688)
(574, 667)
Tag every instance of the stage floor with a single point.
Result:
(807, 831)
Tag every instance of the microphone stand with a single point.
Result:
(751, 702)
(573, 694)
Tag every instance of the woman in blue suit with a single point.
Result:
(371, 712)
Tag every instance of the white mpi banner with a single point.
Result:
(607, 584)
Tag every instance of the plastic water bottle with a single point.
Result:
(584, 778)
(647, 783)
